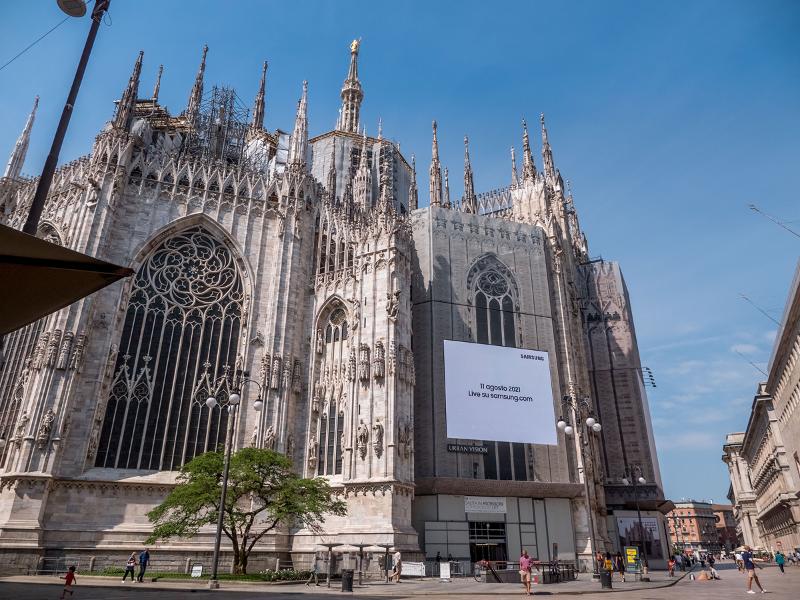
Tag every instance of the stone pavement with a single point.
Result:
(732, 585)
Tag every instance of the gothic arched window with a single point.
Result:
(182, 325)
(494, 296)
(333, 327)
(494, 305)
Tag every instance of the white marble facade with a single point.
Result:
(304, 265)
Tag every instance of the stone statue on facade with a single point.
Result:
(377, 439)
(393, 305)
(269, 438)
(362, 438)
(45, 428)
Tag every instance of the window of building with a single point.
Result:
(179, 343)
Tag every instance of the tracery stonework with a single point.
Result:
(292, 270)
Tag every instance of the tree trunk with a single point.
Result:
(240, 562)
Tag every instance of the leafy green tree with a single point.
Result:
(263, 493)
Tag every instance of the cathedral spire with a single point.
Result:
(17, 158)
(413, 194)
(258, 103)
(514, 176)
(298, 145)
(470, 202)
(447, 188)
(528, 166)
(332, 171)
(196, 95)
(435, 172)
(547, 155)
(122, 119)
(157, 86)
(362, 182)
(352, 95)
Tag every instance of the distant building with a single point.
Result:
(693, 526)
(726, 526)
(764, 460)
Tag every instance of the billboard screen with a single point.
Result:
(498, 393)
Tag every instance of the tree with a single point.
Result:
(263, 493)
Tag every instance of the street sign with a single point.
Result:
(633, 563)
(197, 570)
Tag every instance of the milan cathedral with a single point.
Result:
(305, 268)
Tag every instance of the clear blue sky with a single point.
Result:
(668, 118)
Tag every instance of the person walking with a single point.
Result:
(314, 573)
(619, 566)
(671, 566)
(144, 560)
(398, 566)
(130, 567)
(69, 579)
(750, 569)
(525, 564)
(780, 559)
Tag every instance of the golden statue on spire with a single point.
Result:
(354, 46)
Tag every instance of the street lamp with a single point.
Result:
(630, 477)
(73, 8)
(578, 407)
(234, 398)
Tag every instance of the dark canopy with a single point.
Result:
(38, 277)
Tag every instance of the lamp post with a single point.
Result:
(73, 8)
(234, 398)
(633, 476)
(583, 428)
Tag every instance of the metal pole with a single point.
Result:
(595, 571)
(330, 550)
(645, 576)
(46, 178)
(214, 583)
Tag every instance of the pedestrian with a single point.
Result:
(438, 557)
(738, 558)
(69, 579)
(130, 567)
(314, 572)
(608, 564)
(525, 563)
(599, 560)
(144, 560)
(619, 566)
(398, 566)
(711, 562)
(750, 569)
(780, 559)
(671, 566)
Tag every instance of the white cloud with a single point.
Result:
(688, 440)
(769, 336)
(745, 349)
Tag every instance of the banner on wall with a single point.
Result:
(630, 535)
(498, 393)
(484, 504)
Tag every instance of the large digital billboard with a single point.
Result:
(498, 393)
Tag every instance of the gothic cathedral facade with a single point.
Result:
(301, 270)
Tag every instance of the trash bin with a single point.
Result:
(347, 580)
(605, 579)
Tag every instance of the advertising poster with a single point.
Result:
(629, 535)
(498, 393)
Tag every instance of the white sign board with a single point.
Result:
(498, 393)
(197, 570)
(444, 571)
(484, 504)
(413, 569)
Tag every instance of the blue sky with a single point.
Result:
(668, 119)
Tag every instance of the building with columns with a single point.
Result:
(306, 262)
(764, 460)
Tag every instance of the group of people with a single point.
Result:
(614, 563)
(131, 564)
(70, 578)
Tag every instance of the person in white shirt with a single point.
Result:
(738, 557)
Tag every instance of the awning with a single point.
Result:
(38, 277)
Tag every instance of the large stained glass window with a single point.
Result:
(182, 324)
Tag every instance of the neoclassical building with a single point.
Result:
(302, 268)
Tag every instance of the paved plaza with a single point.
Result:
(732, 585)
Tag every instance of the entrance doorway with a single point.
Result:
(487, 541)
